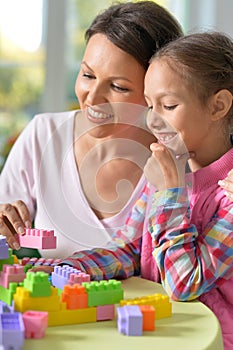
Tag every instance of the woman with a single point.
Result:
(63, 170)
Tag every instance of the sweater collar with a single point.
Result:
(212, 173)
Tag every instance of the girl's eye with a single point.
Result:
(170, 108)
(119, 88)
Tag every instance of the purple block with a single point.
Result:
(130, 320)
(5, 307)
(12, 330)
(61, 275)
(4, 248)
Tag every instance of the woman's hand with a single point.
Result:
(227, 185)
(163, 169)
(13, 219)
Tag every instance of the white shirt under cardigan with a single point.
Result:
(41, 171)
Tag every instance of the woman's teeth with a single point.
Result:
(98, 115)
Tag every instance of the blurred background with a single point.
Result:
(42, 43)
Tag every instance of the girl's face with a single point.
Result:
(108, 75)
(172, 98)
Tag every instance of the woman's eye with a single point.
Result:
(169, 108)
(119, 88)
(89, 76)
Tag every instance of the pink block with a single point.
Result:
(11, 273)
(105, 312)
(40, 239)
(35, 323)
(79, 278)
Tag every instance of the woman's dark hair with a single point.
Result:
(139, 29)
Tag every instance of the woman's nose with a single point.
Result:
(97, 95)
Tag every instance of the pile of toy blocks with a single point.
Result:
(32, 301)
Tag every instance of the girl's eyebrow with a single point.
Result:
(163, 94)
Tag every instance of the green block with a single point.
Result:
(8, 261)
(7, 294)
(27, 267)
(104, 292)
(37, 283)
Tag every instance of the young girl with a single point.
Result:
(189, 84)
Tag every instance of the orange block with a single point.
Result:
(148, 313)
(75, 297)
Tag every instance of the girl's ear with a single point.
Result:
(221, 104)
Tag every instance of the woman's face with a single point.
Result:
(108, 75)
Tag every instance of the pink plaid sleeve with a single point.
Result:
(124, 260)
(190, 263)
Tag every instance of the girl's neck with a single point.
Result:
(204, 158)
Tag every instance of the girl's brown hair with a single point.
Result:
(205, 60)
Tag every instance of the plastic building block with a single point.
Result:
(105, 312)
(161, 303)
(40, 239)
(79, 278)
(5, 308)
(75, 297)
(23, 301)
(11, 273)
(11, 330)
(129, 320)
(104, 292)
(40, 261)
(16, 260)
(37, 283)
(9, 261)
(35, 323)
(67, 317)
(4, 254)
(61, 275)
(6, 294)
(148, 314)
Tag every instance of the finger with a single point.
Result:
(226, 184)
(10, 236)
(12, 218)
(173, 170)
(23, 212)
(230, 174)
(163, 156)
(229, 195)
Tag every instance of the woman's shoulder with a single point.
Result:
(55, 119)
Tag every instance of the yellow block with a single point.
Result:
(66, 317)
(23, 301)
(161, 303)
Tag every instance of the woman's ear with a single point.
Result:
(221, 104)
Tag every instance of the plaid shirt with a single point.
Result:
(192, 237)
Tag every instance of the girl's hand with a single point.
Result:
(13, 219)
(227, 185)
(164, 169)
(47, 269)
